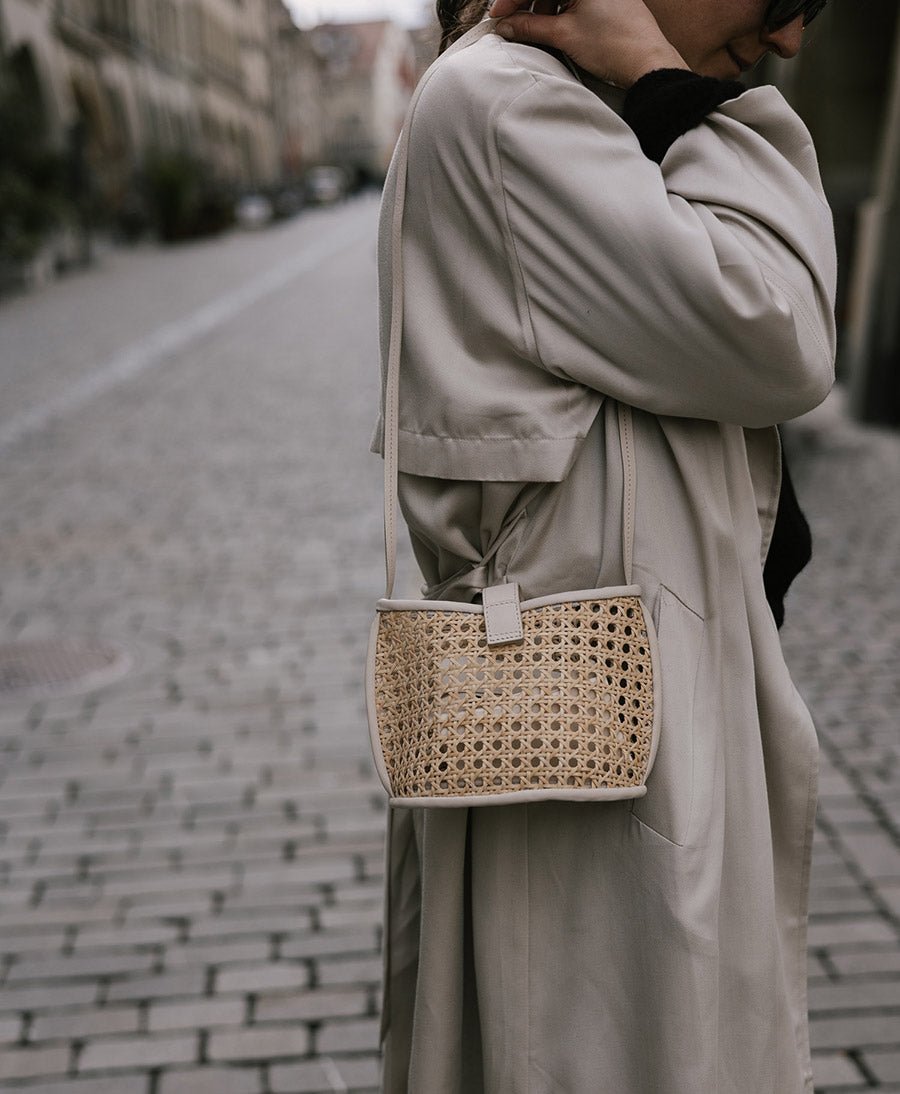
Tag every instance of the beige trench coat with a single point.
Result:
(652, 946)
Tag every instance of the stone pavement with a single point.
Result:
(842, 640)
(191, 856)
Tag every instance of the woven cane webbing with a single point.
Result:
(569, 707)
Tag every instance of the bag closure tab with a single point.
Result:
(502, 614)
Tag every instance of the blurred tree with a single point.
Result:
(33, 199)
(183, 197)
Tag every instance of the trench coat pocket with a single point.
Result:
(666, 807)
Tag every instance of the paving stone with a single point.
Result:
(834, 931)
(31, 942)
(816, 968)
(359, 1073)
(308, 1077)
(253, 922)
(211, 1080)
(167, 984)
(357, 894)
(136, 1052)
(50, 915)
(327, 1076)
(96, 1084)
(146, 884)
(874, 850)
(92, 966)
(81, 1022)
(843, 812)
(862, 962)
(330, 943)
(29, 997)
(831, 873)
(347, 1036)
(350, 971)
(138, 934)
(309, 1005)
(24, 1063)
(832, 1069)
(10, 1028)
(309, 873)
(259, 1043)
(368, 915)
(244, 978)
(268, 899)
(155, 906)
(218, 952)
(825, 905)
(855, 994)
(196, 1014)
(890, 894)
(854, 1030)
(885, 1066)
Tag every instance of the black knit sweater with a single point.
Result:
(660, 107)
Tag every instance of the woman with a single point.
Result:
(610, 218)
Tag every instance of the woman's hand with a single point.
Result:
(617, 40)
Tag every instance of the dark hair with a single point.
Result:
(458, 16)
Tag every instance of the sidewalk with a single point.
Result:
(842, 640)
(191, 889)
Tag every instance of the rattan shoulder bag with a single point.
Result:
(507, 701)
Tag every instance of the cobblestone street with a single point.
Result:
(191, 856)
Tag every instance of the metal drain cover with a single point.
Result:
(59, 665)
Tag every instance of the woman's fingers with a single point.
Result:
(617, 40)
(501, 8)
(545, 30)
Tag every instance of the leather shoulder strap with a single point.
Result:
(392, 382)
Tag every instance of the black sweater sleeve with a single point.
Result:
(664, 104)
(790, 549)
(660, 107)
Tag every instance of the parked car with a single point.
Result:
(253, 211)
(325, 185)
(288, 201)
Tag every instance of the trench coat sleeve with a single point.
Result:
(700, 288)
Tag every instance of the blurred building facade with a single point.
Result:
(344, 88)
(296, 94)
(845, 83)
(234, 82)
(237, 84)
(130, 75)
(368, 75)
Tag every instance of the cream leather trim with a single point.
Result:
(371, 711)
(516, 797)
(657, 686)
(385, 605)
(584, 594)
(391, 605)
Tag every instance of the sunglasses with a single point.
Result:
(782, 12)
